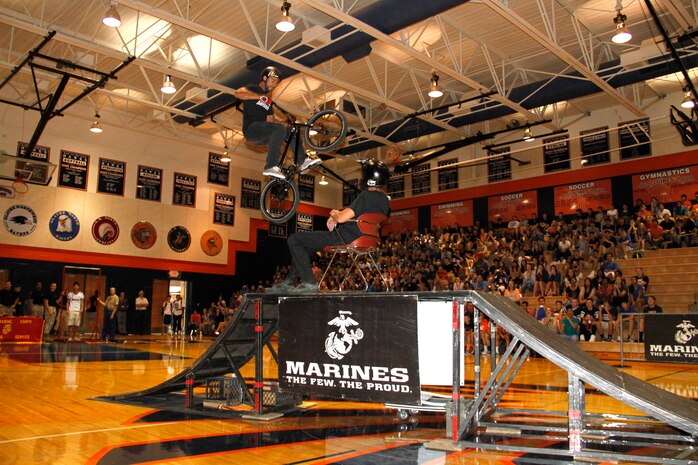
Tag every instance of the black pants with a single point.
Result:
(302, 244)
(177, 323)
(142, 322)
(272, 135)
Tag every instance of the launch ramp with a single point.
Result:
(583, 369)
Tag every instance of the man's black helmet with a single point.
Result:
(375, 173)
(270, 71)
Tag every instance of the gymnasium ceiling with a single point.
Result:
(517, 50)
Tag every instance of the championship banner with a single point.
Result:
(306, 187)
(21, 329)
(448, 177)
(421, 179)
(73, 169)
(184, 190)
(673, 338)
(149, 183)
(666, 185)
(250, 193)
(396, 187)
(363, 349)
(498, 164)
(40, 152)
(350, 191)
(111, 177)
(279, 230)
(595, 147)
(224, 209)
(556, 153)
(450, 214)
(218, 170)
(519, 204)
(585, 195)
(304, 222)
(401, 221)
(634, 138)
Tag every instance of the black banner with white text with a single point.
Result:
(672, 338)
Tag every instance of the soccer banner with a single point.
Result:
(666, 185)
(518, 204)
(362, 348)
(450, 214)
(401, 221)
(584, 195)
(673, 338)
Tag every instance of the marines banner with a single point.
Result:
(363, 349)
(674, 338)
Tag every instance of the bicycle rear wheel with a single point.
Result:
(326, 130)
(279, 200)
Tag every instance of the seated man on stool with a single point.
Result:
(301, 244)
(261, 127)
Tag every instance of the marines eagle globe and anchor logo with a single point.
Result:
(20, 220)
(339, 343)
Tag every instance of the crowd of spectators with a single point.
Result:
(569, 257)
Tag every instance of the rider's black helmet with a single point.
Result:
(270, 71)
(375, 173)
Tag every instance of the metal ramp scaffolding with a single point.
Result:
(243, 339)
(483, 424)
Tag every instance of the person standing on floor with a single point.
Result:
(111, 305)
(177, 313)
(76, 309)
(121, 315)
(52, 302)
(141, 304)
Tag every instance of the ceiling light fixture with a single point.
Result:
(528, 135)
(688, 101)
(111, 17)
(168, 86)
(285, 23)
(225, 158)
(323, 181)
(435, 90)
(621, 34)
(96, 127)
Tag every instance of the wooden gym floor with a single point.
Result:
(49, 415)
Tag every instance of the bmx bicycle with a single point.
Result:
(323, 132)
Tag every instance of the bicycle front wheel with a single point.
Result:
(279, 200)
(325, 131)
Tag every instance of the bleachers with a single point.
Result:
(673, 276)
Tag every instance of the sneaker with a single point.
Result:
(309, 163)
(305, 287)
(275, 172)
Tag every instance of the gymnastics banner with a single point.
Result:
(666, 185)
(450, 214)
(584, 195)
(518, 204)
(401, 221)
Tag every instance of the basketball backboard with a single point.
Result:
(31, 171)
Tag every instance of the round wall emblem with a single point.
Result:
(105, 230)
(7, 192)
(179, 239)
(143, 235)
(211, 243)
(20, 220)
(64, 226)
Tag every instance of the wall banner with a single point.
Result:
(73, 169)
(396, 187)
(350, 191)
(518, 204)
(584, 195)
(111, 177)
(250, 193)
(306, 188)
(498, 164)
(40, 152)
(149, 183)
(448, 174)
(218, 171)
(304, 222)
(401, 221)
(634, 139)
(595, 147)
(421, 179)
(556, 153)
(454, 213)
(666, 185)
(224, 209)
(362, 349)
(184, 190)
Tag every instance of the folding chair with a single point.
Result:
(369, 224)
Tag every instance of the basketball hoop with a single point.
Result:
(20, 186)
(394, 152)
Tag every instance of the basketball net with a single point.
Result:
(20, 186)
(394, 153)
